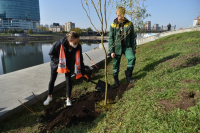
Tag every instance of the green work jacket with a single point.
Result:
(115, 45)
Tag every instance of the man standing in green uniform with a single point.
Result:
(122, 40)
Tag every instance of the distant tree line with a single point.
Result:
(12, 31)
(79, 30)
(46, 31)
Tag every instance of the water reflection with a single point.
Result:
(19, 55)
(15, 57)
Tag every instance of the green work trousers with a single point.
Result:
(130, 56)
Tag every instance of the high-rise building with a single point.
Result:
(69, 26)
(156, 27)
(148, 25)
(19, 14)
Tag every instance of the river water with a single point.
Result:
(19, 55)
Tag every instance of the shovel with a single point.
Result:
(92, 61)
(100, 86)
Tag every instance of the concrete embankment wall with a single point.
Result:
(43, 38)
(28, 38)
(93, 37)
(158, 36)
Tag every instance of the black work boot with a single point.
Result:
(128, 77)
(116, 81)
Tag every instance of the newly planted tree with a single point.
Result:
(101, 7)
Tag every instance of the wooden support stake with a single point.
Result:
(30, 109)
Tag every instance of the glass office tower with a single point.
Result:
(19, 14)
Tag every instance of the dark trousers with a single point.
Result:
(68, 82)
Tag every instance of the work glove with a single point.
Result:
(86, 78)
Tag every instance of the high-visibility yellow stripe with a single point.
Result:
(113, 25)
(128, 24)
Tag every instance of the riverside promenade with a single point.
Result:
(30, 85)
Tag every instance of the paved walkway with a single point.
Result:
(22, 84)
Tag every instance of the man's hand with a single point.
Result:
(113, 55)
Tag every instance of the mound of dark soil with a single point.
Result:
(82, 110)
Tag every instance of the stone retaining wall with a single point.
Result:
(158, 36)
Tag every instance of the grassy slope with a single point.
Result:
(159, 75)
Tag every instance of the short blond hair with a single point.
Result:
(121, 10)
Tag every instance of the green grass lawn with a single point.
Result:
(165, 96)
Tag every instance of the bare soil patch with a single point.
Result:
(190, 81)
(158, 49)
(186, 100)
(82, 110)
(159, 44)
(189, 44)
(186, 61)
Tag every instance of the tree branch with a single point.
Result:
(101, 17)
(110, 9)
(105, 17)
(90, 18)
(96, 10)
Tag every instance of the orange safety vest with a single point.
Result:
(78, 66)
(62, 68)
